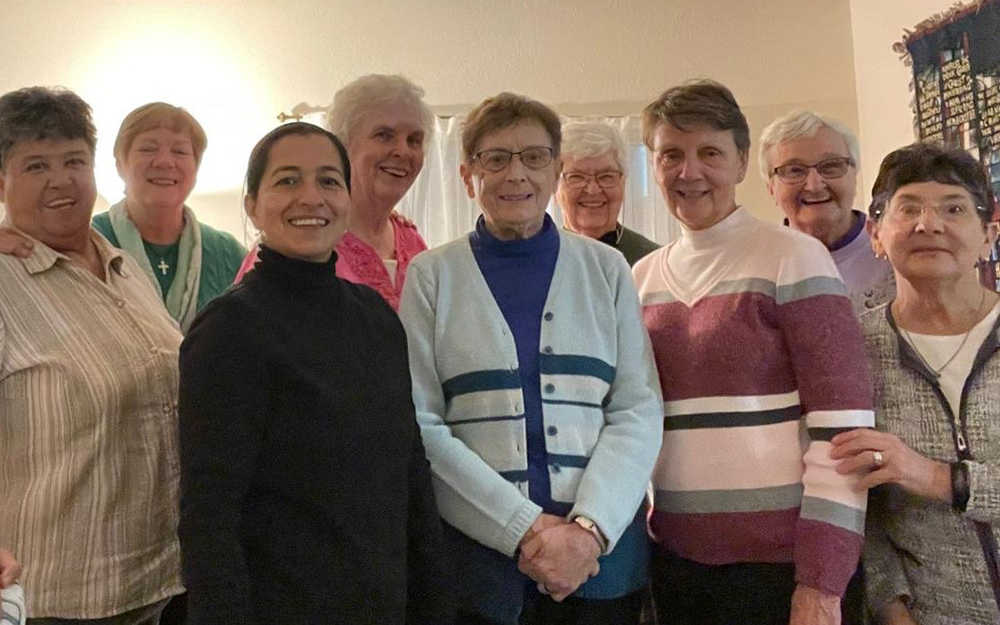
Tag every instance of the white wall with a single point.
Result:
(883, 81)
(236, 64)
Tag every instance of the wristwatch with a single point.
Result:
(595, 531)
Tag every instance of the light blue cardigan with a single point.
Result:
(602, 407)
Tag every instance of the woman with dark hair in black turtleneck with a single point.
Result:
(306, 496)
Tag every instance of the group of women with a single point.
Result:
(484, 456)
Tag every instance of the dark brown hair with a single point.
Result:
(929, 162)
(37, 113)
(262, 152)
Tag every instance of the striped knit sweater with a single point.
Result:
(761, 362)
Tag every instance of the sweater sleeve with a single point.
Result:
(471, 496)
(884, 576)
(984, 491)
(619, 470)
(223, 394)
(831, 372)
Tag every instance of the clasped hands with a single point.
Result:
(559, 555)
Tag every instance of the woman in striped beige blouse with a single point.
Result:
(88, 386)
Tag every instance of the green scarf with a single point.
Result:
(182, 299)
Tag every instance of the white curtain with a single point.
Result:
(438, 205)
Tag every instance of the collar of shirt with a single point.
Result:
(43, 257)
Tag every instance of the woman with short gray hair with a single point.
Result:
(592, 187)
(810, 165)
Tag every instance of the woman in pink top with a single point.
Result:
(384, 123)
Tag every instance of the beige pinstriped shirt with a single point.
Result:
(88, 434)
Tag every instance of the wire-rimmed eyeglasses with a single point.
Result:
(534, 157)
(604, 179)
(828, 169)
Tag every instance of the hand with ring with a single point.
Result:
(877, 459)
(882, 458)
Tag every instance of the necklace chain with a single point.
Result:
(965, 339)
(619, 231)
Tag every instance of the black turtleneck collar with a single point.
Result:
(295, 273)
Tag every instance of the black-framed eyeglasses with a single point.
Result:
(534, 157)
(604, 179)
(828, 169)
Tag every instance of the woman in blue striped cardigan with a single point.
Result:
(535, 391)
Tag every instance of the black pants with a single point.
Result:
(176, 611)
(853, 609)
(690, 593)
(542, 610)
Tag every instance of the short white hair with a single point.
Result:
(589, 139)
(800, 124)
(353, 99)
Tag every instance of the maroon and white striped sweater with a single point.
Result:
(761, 362)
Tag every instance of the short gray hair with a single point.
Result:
(801, 124)
(354, 98)
(588, 139)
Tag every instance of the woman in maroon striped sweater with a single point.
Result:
(756, 345)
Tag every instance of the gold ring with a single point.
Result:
(877, 459)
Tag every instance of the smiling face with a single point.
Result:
(514, 199)
(817, 206)
(387, 152)
(922, 244)
(697, 172)
(159, 169)
(591, 210)
(302, 205)
(49, 190)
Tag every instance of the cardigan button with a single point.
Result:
(550, 388)
(548, 316)
(547, 349)
(552, 430)
(556, 468)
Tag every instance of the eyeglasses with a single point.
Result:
(535, 157)
(828, 169)
(949, 212)
(604, 179)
